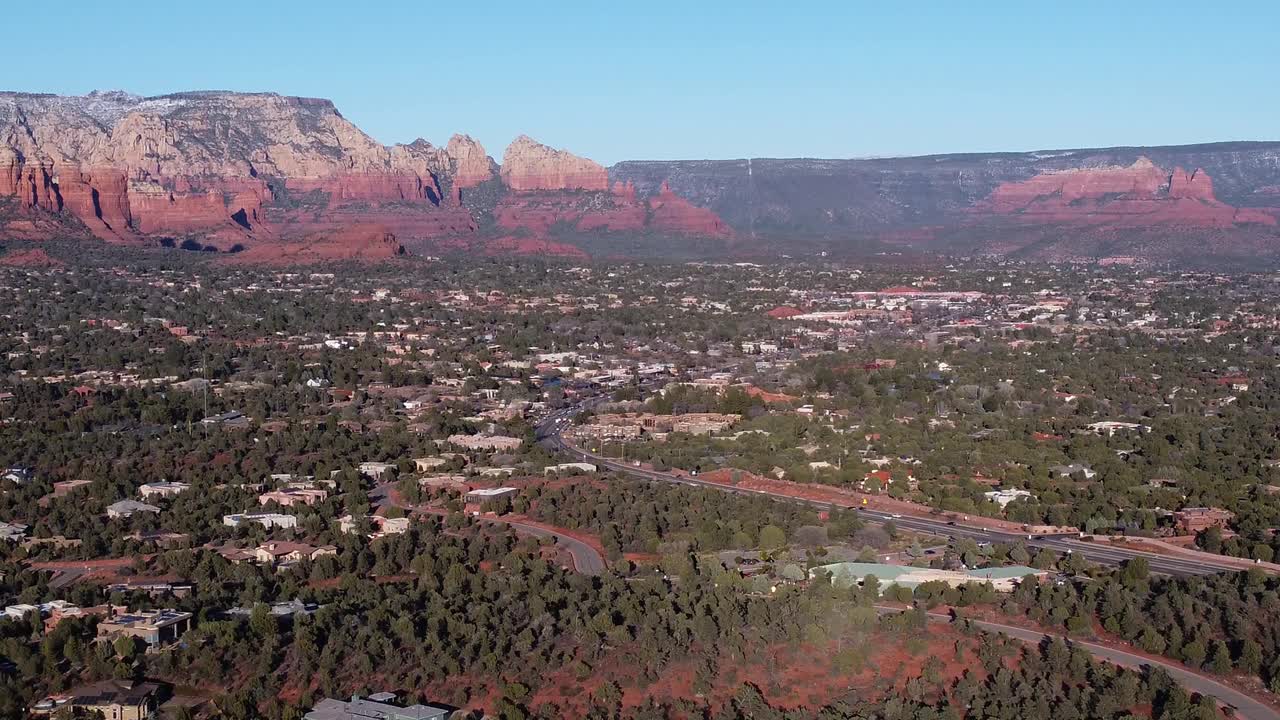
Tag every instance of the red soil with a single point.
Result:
(788, 676)
(34, 258)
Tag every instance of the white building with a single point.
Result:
(485, 442)
(126, 508)
(267, 520)
(480, 495)
(376, 470)
(151, 491)
(1004, 497)
(570, 467)
(381, 525)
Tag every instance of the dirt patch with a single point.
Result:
(34, 258)
(804, 676)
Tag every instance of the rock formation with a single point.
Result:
(199, 162)
(1138, 195)
(366, 243)
(672, 213)
(530, 165)
(239, 170)
(469, 163)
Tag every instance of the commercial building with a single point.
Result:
(485, 442)
(480, 495)
(1003, 579)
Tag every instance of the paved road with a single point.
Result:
(585, 558)
(1244, 705)
(550, 433)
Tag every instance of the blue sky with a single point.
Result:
(659, 80)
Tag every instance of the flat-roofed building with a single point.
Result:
(1003, 579)
(154, 627)
(265, 519)
(480, 495)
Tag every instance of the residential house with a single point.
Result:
(427, 464)
(1072, 470)
(19, 474)
(377, 470)
(482, 495)
(295, 496)
(1195, 519)
(153, 491)
(375, 707)
(115, 700)
(127, 508)
(265, 519)
(1111, 427)
(381, 525)
(283, 554)
(12, 532)
(1006, 496)
(154, 627)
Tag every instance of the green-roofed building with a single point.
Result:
(848, 574)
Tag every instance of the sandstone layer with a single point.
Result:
(233, 170)
(529, 165)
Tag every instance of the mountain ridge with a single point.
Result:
(226, 170)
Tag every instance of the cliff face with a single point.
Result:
(1074, 204)
(469, 162)
(530, 165)
(1138, 195)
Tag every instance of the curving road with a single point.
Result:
(1245, 706)
(585, 558)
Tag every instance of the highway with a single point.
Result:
(550, 432)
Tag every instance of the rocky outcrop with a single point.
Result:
(469, 163)
(234, 170)
(1063, 188)
(623, 213)
(99, 196)
(365, 244)
(672, 213)
(528, 165)
(32, 258)
(1135, 196)
(197, 163)
(1196, 185)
